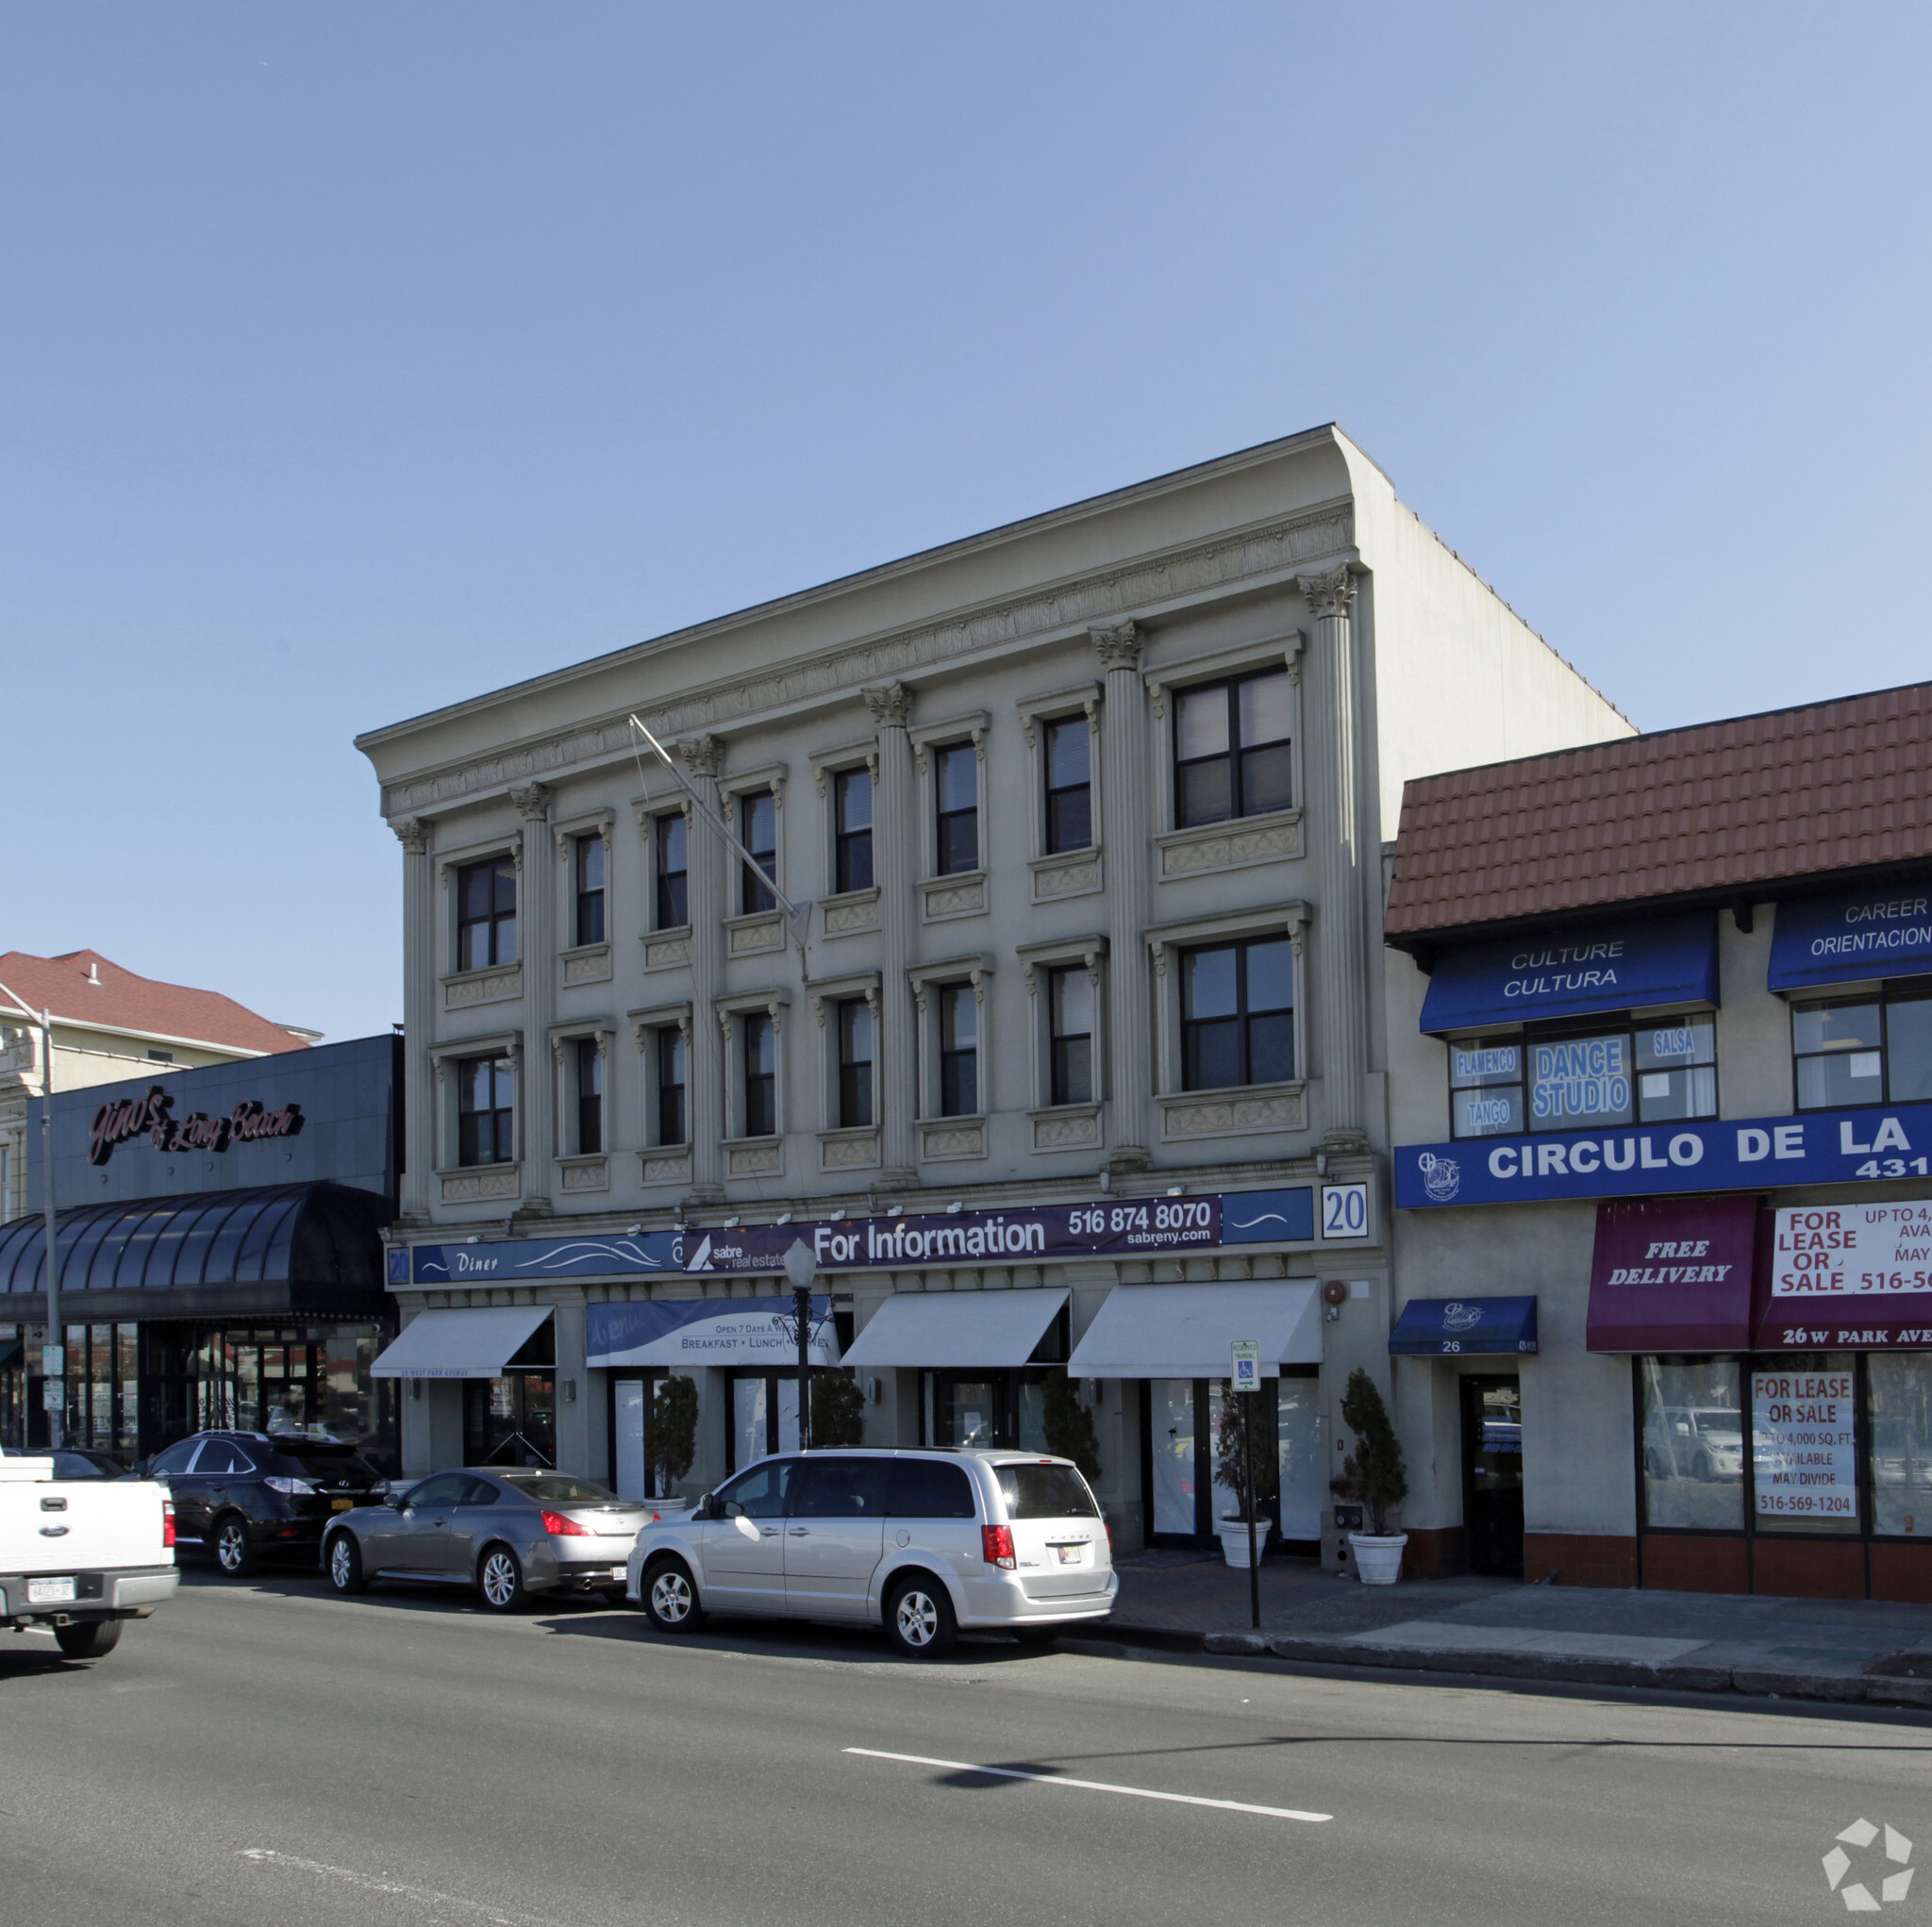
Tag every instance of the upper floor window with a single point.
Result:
(487, 914)
(1238, 1014)
(855, 1062)
(590, 1081)
(1068, 785)
(1070, 1005)
(1875, 1049)
(758, 830)
(160, 1056)
(760, 1038)
(852, 830)
(590, 857)
(485, 1111)
(1230, 748)
(956, 790)
(673, 872)
(958, 1051)
(672, 1124)
(1598, 1075)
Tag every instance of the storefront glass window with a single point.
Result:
(1693, 1444)
(1676, 1068)
(1485, 1087)
(1171, 1428)
(1901, 1395)
(1804, 1444)
(1298, 1441)
(1865, 1050)
(510, 1421)
(1577, 1083)
(1620, 1072)
(756, 1399)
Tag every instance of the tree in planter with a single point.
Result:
(1069, 1425)
(1231, 1458)
(838, 1409)
(671, 1446)
(1372, 1475)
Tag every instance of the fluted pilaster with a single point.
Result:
(896, 842)
(1126, 835)
(419, 1015)
(537, 947)
(708, 884)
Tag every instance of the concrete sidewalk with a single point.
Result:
(1861, 1651)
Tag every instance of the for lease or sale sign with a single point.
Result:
(1803, 1458)
(1853, 1251)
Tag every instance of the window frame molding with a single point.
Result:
(846, 1147)
(950, 733)
(564, 1093)
(444, 1058)
(1058, 1128)
(732, 790)
(1167, 940)
(1036, 712)
(507, 843)
(1282, 650)
(774, 1003)
(975, 968)
(659, 1162)
(861, 753)
(580, 960)
(668, 948)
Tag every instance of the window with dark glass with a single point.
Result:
(761, 1037)
(956, 788)
(1875, 1049)
(1070, 1006)
(1068, 785)
(758, 830)
(1583, 1077)
(487, 914)
(590, 1097)
(673, 900)
(671, 1126)
(485, 1111)
(1237, 1014)
(1231, 748)
(590, 868)
(855, 1062)
(852, 830)
(958, 1051)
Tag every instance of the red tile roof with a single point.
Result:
(122, 1001)
(1734, 807)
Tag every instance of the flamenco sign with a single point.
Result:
(152, 1117)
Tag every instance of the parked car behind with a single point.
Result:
(74, 1461)
(921, 1543)
(510, 1532)
(241, 1495)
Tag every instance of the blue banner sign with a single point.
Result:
(706, 1331)
(1619, 967)
(1735, 1154)
(1837, 939)
(1122, 1226)
(1448, 1327)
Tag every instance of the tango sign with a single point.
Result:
(152, 1117)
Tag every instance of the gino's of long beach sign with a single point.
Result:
(153, 1117)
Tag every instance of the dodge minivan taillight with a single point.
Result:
(167, 1523)
(996, 1542)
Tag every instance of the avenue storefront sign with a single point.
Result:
(1755, 1153)
(152, 1117)
(1142, 1227)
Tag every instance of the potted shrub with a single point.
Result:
(671, 1442)
(1373, 1477)
(1231, 1469)
(1069, 1425)
(838, 1409)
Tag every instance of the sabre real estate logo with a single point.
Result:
(1856, 1894)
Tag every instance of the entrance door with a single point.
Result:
(628, 1444)
(1170, 1442)
(1492, 1475)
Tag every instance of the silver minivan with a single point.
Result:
(923, 1543)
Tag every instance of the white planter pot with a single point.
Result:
(1234, 1539)
(1377, 1556)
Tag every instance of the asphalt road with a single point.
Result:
(266, 1753)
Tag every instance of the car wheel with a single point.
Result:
(500, 1577)
(344, 1563)
(1039, 1637)
(919, 1616)
(671, 1598)
(234, 1549)
(89, 1639)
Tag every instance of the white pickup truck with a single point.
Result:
(82, 1556)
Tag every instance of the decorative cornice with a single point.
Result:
(890, 706)
(1328, 594)
(532, 801)
(1119, 646)
(1095, 600)
(413, 834)
(701, 754)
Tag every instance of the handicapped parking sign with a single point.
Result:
(1246, 1376)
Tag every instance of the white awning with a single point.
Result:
(1188, 1331)
(476, 1342)
(956, 1328)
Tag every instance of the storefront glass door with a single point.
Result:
(1170, 1438)
(755, 1401)
(1298, 1442)
(510, 1421)
(1493, 1474)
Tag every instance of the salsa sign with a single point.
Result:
(153, 1117)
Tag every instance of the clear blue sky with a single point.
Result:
(356, 359)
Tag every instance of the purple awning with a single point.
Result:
(1672, 1275)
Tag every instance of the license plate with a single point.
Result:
(48, 1591)
(340, 1505)
(1069, 1556)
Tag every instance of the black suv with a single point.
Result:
(239, 1495)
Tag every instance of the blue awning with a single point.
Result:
(1615, 966)
(1458, 1327)
(1852, 934)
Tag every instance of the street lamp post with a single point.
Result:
(802, 1267)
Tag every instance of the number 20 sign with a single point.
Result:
(1344, 1211)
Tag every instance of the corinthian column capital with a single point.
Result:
(891, 705)
(1329, 594)
(1119, 646)
(532, 801)
(701, 754)
(412, 833)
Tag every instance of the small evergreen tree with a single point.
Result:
(1069, 1426)
(838, 1409)
(1373, 1475)
(1231, 1457)
(671, 1445)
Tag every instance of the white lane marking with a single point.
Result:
(267, 1856)
(1093, 1786)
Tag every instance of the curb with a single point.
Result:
(1757, 1681)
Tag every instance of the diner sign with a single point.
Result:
(1803, 1456)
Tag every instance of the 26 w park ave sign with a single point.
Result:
(153, 1117)
(1732, 1155)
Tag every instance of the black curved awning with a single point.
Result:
(313, 1249)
